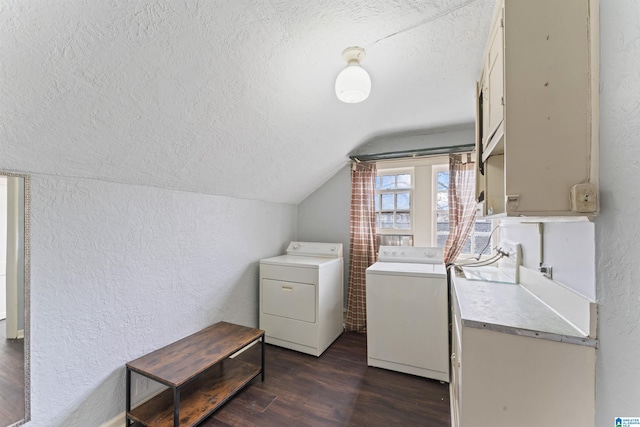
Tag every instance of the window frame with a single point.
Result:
(397, 171)
(434, 225)
(435, 169)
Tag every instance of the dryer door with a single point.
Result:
(289, 299)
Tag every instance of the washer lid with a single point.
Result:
(300, 261)
(408, 269)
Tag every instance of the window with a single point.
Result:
(394, 196)
(441, 213)
(480, 236)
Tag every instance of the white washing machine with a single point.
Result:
(301, 297)
(407, 314)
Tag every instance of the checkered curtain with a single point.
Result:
(362, 249)
(462, 204)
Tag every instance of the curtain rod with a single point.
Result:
(413, 153)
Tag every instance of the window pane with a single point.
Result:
(403, 201)
(388, 182)
(386, 220)
(442, 201)
(442, 222)
(403, 221)
(480, 243)
(466, 249)
(377, 220)
(442, 239)
(443, 181)
(377, 203)
(482, 226)
(387, 202)
(404, 180)
(377, 182)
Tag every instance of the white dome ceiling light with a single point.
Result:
(353, 83)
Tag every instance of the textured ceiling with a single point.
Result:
(230, 97)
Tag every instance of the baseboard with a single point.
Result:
(118, 421)
(19, 335)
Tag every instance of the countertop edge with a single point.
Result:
(515, 330)
(549, 336)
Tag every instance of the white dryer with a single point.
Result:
(301, 297)
(407, 314)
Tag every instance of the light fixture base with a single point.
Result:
(353, 53)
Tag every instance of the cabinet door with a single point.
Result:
(494, 81)
(485, 110)
(478, 143)
(455, 388)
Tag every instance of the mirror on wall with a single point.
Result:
(14, 299)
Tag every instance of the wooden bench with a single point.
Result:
(199, 374)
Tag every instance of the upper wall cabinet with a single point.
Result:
(537, 110)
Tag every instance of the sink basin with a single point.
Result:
(505, 270)
(486, 274)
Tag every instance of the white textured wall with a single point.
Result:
(138, 90)
(120, 270)
(568, 247)
(324, 215)
(617, 230)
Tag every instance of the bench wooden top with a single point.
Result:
(177, 363)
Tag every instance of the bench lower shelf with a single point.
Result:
(199, 398)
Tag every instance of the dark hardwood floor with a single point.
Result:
(336, 389)
(11, 378)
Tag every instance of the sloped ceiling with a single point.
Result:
(228, 97)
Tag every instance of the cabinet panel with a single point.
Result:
(540, 63)
(455, 388)
(495, 81)
(513, 380)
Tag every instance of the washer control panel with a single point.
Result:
(412, 254)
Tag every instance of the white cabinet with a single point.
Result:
(493, 82)
(455, 388)
(537, 108)
(500, 377)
